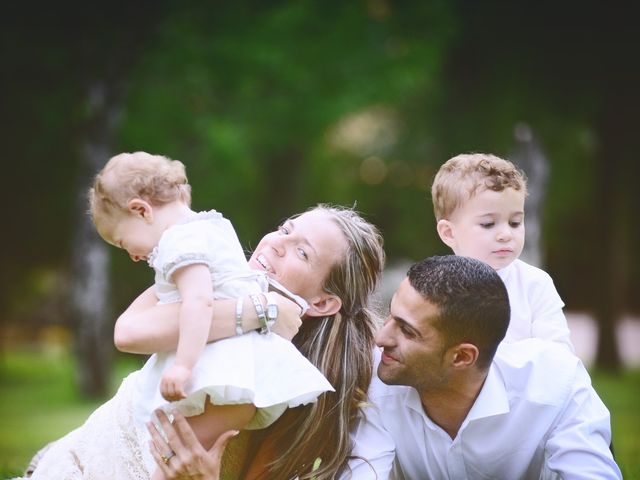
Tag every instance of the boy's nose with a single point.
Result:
(504, 233)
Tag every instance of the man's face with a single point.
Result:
(413, 349)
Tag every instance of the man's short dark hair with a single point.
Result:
(471, 298)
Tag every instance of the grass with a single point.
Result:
(621, 393)
(39, 403)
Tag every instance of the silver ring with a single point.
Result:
(167, 457)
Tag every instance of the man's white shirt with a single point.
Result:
(537, 416)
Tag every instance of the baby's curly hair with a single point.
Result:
(153, 178)
(460, 177)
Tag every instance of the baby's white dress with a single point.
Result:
(263, 369)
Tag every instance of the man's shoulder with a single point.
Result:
(540, 370)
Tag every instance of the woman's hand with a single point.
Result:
(288, 322)
(181, 456)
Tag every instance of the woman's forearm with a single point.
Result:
(146, 327)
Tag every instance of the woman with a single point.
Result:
(332, 258)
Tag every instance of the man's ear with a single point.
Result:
(446, 231)
(140, 208)
(324, 305)
(464, 355)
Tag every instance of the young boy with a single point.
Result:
(478, 200)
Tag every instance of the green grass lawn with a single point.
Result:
(39, 403)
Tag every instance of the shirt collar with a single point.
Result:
(504, 272)
(492, 399)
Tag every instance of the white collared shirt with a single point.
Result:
(536, 307)
(537, 416)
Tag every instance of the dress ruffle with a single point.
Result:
(265, 370)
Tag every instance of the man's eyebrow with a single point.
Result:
(403, 323)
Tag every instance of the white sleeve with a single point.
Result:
(578, 446)
(373, 449)
(547, 318)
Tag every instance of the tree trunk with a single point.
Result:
(90, 312)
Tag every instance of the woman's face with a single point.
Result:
(301, 252)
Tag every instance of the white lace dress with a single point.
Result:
(264, 370)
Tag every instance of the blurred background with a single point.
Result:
(275, 106)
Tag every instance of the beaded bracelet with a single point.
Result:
(239, 307)
(262, 318)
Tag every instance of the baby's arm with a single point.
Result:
(196, 310)
(146, 327)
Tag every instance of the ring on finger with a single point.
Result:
(167, 457)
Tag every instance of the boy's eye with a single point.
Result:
(487, 225)
(515, 224)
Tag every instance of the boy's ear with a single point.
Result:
(140, 208)
(324, 306)
(446, 232)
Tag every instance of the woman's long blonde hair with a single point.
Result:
(341, 347)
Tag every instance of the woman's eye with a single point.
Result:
(284, 230)
(302, 253)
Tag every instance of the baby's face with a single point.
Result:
(131, 233)
(490, 227)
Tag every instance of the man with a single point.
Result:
(449, 403)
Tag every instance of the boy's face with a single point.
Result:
(488, 227)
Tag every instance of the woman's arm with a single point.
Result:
(146, 327)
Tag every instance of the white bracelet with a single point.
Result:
(239, 305)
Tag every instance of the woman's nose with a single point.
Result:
(279, 245)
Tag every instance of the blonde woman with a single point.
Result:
(333, 258)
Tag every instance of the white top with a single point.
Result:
(265, 370)
(205, 238)
(536, 307)
(537, 416)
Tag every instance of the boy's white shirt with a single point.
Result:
(536, 306)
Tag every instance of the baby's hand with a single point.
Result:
(174, 380)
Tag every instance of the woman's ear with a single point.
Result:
(446, 232)
(140, 208)
(325, 305)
